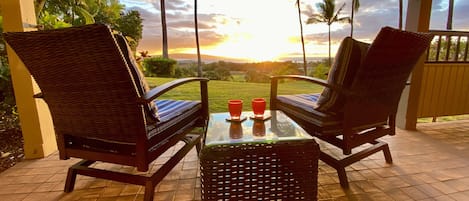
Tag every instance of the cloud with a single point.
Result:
(180, 25)
(220, 18)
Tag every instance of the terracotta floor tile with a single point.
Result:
(131, 189)
(398, 194)
(444, 198)
(429, 190)
(429, 164)
(460, 196)
(47, 187)
(443, 187)
(414, 192)
(459, 184)
(112, 191)
(44, 196)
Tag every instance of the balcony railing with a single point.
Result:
(445, 81)
(449, 47)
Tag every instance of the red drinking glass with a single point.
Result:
(235, 107)
(236, 130)
(258, 129)
(258, 107)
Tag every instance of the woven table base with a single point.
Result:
(284, 170)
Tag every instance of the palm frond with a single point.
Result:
(343, 20)
(89, 19)
(335, 18)
(316, 18)
(356, 5)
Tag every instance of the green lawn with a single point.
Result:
(219, 92)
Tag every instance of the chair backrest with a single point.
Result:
(85, 81)
(347, 61)
(382, 77)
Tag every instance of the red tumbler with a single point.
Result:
(258, 107)
(235, 107)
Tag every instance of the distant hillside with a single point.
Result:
(189, 58)
(205, 58)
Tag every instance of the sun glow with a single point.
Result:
(259, 33)
(260, 30)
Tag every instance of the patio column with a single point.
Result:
(36, 122)
(418, 19)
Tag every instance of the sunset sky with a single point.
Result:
(259, 30)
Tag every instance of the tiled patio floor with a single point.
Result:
(431, 164)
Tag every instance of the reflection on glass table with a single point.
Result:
(278, 127)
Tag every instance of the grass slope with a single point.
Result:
(219, 92)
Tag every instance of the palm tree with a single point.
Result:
(199, 63)
(164, 30)
(355, 7)
(302, 38)
(449, 23)
(400, 13)
(327, 14)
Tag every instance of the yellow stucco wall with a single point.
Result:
(36, 122)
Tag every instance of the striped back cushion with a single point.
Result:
(138, 76)
(346, 63)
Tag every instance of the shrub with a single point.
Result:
(257, 76)
(7, 97)
(287, 68)
(215, 71)
(181, 72)
(159, 66)
(320, 71)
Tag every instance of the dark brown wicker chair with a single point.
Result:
(359, 103)
(101, 108)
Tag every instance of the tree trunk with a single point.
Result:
(39, 6)
(400, 14)
(305, 64)
(351, 18)
(329, 45)
(449, 23)
(199, 62)
(164, 30)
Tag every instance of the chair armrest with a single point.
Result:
(160, 90)
(274, 81)
(300, 77)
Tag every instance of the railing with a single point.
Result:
(449, 47)
(445, 81)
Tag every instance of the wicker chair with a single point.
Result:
(359, 102)
(101, 107)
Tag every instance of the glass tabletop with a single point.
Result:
(276, 127)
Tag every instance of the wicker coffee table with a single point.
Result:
(271, 159)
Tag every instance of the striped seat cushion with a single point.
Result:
(301, 107)
(348, 59)
(173, 113)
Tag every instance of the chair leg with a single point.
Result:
(72, 174)
(338, 165)
(190, 138)
(198, 147)
(149, 191)
(149, 182)
(387, 154)
(70, 182)
(341, 164)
